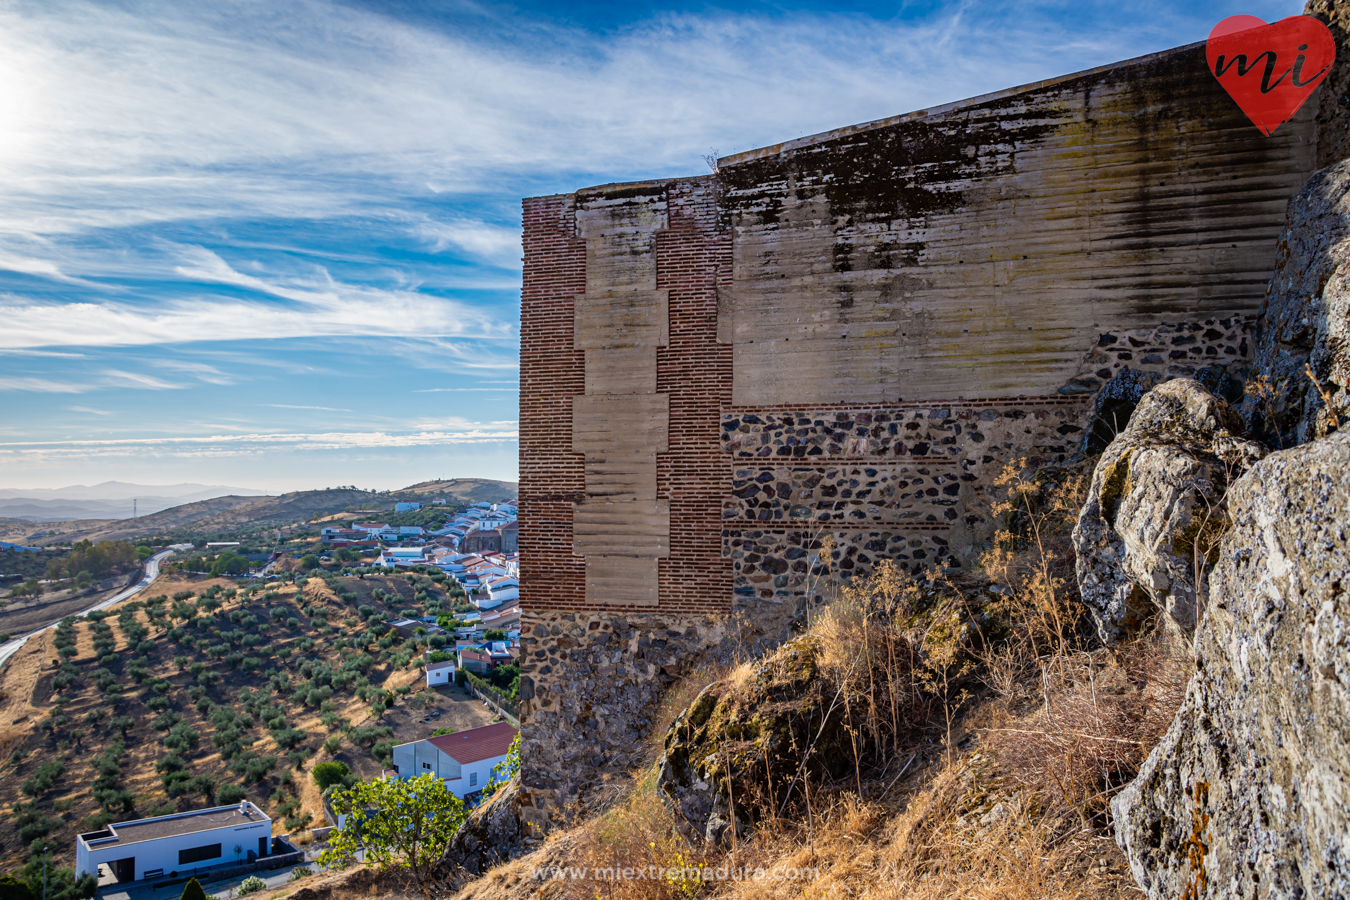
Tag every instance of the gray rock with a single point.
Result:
(1305, 320)
(744, 747)
(1155, 509)
(1248, 794)
(493, 833)
(1115, 405)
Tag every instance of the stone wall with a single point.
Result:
(841, 341)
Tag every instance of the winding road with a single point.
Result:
(11, 647)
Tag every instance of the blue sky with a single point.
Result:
(276, 244)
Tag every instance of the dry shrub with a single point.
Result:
(1095, 726)
(639, 832)
(960, 836)
(682, 693)
(877, 670)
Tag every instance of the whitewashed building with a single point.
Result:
(176, 845)
(464, 760)
(440, 672)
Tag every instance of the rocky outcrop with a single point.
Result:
(749, 743)
(1248, 794)
(492, 834)
(1305, 320)
(1156, 508)
(1333, 114)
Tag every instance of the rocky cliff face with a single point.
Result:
(1156, 509)
(1248, 794)
(1333, 114)
(1305, 320)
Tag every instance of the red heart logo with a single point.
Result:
(1270, 69)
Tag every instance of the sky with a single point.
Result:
(277, 244)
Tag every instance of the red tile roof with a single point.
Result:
(477, 743)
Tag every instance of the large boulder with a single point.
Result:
(491, 834)
(1305, 320)
(751, 744)
(1248, 794)
(1155, 509)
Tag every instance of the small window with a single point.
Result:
(473, 779)
(154, 873)
(396, 767)
(426, 765)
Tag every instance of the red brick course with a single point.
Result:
(693, 257)
(551, 374)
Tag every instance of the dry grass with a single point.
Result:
(991, 734)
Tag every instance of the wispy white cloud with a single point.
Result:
(491, 243)
(447, 432)
(339, 311)
(201, 371)
(90, 410)
(119, 378)
(41, 385)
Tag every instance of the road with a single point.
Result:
(151, 573)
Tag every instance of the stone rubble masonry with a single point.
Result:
(595, 681)
(847, 337)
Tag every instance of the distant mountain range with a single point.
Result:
(235, 513)
(109, 500)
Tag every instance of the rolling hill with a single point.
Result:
(235, 513)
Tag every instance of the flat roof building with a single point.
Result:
(176, 844)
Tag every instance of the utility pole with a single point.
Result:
(133, 509)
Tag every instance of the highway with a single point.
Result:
(151, 573)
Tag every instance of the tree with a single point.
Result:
(404, 825)
(193, 891)
(229, 563)
(309, 561)
(327, 774)
(505, 770)
(46, 878)
(12, 888)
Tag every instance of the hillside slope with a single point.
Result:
(466, 490)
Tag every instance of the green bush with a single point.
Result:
(251, 885)
(230, 793)
(327, 774)
(193, 891)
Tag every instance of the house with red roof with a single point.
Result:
(463, 760)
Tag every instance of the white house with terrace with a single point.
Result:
(176, 845)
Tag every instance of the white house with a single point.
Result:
(407, 507)
(440, 672)
(176, 845)
(399, 556)
(463, 760)
(502, 589)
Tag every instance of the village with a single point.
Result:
(474, 555)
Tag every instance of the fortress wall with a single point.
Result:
(846, 338)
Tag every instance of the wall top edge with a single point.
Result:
(620, 187)
(945, 109)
